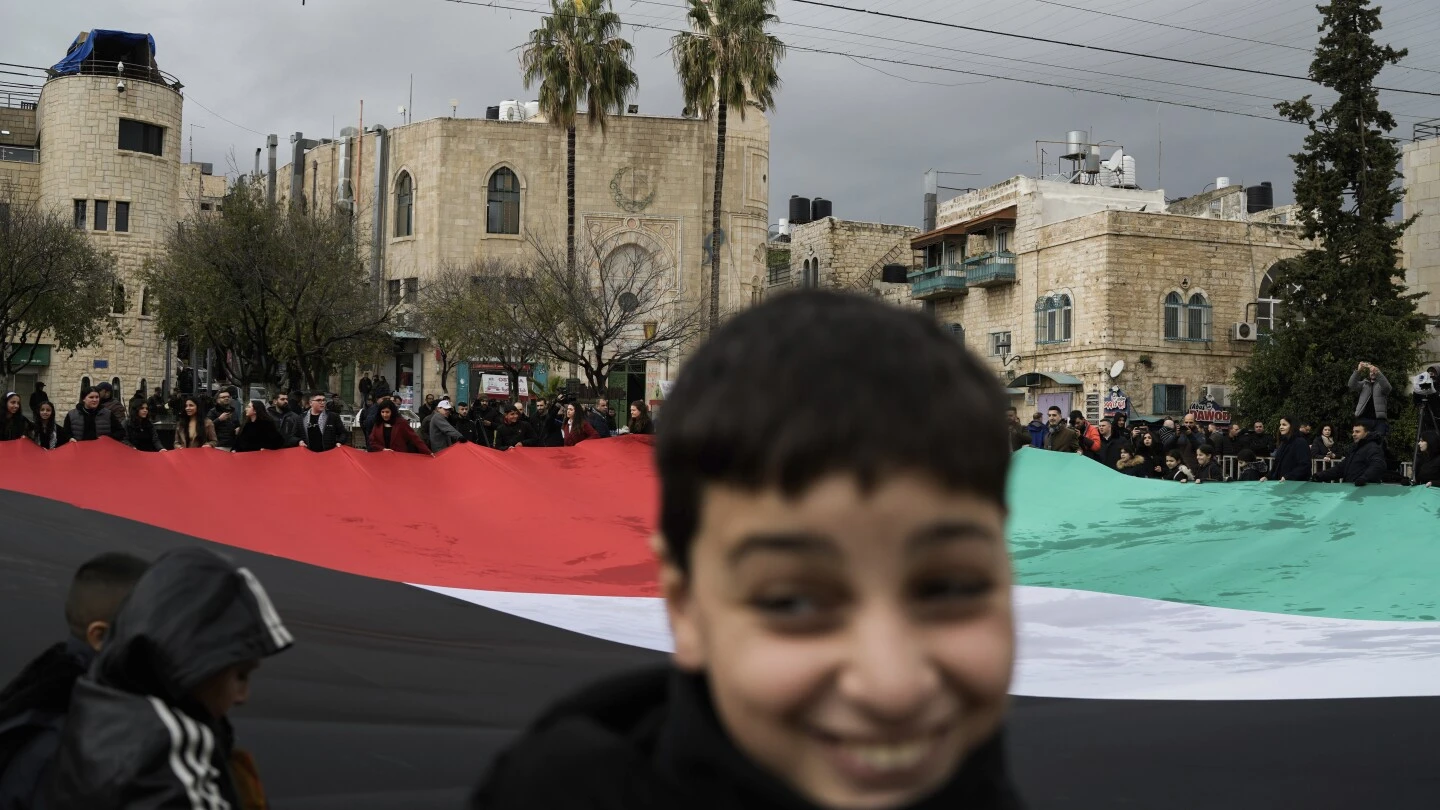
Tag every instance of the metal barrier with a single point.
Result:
(1319, 464)
(1227, 468)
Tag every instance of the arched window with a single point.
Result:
(956, 331)
(1054, 319)
(147, 303)
(1198, 317)
(117, 299)
(404, 205)
(502, 207)
(1267, 305)
(1172, 316)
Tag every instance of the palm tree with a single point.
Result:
(576, 55)
(727, 60)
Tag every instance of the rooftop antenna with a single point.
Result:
(192, 141)
(410, 105)
(454, 102)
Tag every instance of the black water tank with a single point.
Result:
(820, 208)
(894, 274)
(1259, 198)
(492, 113)
(799, 210)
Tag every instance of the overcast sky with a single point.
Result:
(857, 131)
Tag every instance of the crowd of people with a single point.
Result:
(315, 421)
(1193, 452)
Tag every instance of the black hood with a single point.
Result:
(193, 614)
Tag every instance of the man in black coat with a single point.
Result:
(34, 705)
(1110, 444)
(319, 428)
(1364, 465)
(225, 419)
(37, 398)
(469, 428)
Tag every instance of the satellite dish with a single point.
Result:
(1115, 369)
(629, 302)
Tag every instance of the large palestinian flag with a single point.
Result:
(1212, 646)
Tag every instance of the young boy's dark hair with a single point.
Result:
(805, 386)
(98, 589)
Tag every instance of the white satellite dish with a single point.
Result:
(1115, 369)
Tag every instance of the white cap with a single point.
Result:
(444, 403)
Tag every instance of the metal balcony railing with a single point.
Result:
(130, 72)
(990, 269)
(940, 281)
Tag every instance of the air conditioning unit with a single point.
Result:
(1243, 331)
(1218, 394)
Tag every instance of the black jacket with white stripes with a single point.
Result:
(135, 737)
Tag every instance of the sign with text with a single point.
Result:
(495, 385)
(1207, 411)
(1116, 403)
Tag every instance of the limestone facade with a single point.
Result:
(76, 131)
(1421, 242)
(1042, 254)
(644, 180)
(843, 254)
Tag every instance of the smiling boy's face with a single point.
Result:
(857, 645)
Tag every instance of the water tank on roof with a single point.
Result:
(1259, 198)
(532, 109)
(1222, 182)
(512, 110)
(784, 227)
(799, 209)
(894, 274)
(1076, 147)
(820, 209)
(492, 113)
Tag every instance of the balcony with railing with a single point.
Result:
(990, 269)
(941, 281)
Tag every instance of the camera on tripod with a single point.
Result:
(1422, 385)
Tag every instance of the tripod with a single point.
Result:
(1427, 412)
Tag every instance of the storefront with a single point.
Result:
(405, 369)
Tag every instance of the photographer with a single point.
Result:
(1089, 436)
(1374, 391)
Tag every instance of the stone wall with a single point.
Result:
(643, 179)
(20, 122)
(1421, 242)
(850, 254)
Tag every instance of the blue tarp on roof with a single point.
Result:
(115, 46)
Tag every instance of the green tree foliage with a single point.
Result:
(1344, 301)
(55, 286)
(282, 295)
(726, 61)
(577, 56)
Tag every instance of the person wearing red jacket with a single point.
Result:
(1089, 435)
(393, 433)
(576, 428)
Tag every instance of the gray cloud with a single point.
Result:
(843, 129)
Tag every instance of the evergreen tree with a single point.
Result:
(1344, 301)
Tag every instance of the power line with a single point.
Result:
(1099, 48)
(223, 118)
(1036, 82)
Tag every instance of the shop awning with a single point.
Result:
(36, 354)
(962, 227)
(1037, 378)
(402, 334)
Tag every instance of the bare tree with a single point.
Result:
(55, 286)
(620, 305)
(471, 311)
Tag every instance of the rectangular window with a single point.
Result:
(204, 206)
(102, 215)
(392, 291)
(80, 208)
(412, 290)
(122, 216)
(138, 136)
(1170, 399)
(999, 344)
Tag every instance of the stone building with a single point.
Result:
(103, 143)
(843, 254)
(1421, 242)
(1053, 283)
(456, 190)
